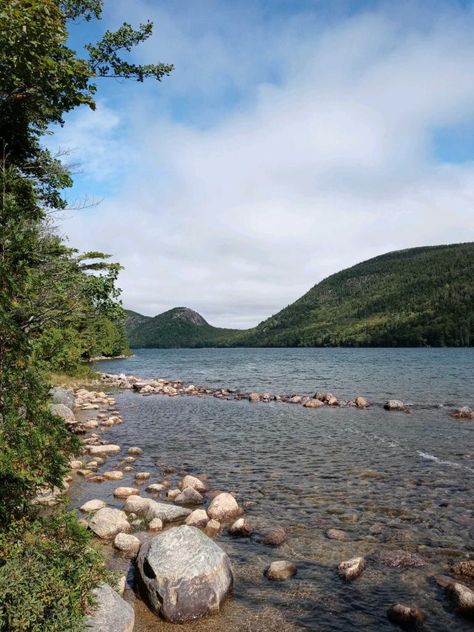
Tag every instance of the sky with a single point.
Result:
(294, 138)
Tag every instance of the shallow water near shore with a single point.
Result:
(390, 480)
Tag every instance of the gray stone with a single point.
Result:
(93, 505)
(280, 570)
(62, 396)
(63, 411)
(112, 614)
(165, 512)
(405, 616)
(107, 522)
(127, 543)
(463, 598)
(189, 496)
(183, 574)
(394, 404)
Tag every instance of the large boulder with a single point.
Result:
(60, 410)
(107, 522)
(183, 574)
(112, 613)
(62, 396)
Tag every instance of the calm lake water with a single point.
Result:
(390, 480)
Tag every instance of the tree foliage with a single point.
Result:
(57, 306)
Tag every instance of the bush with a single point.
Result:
(47, 571)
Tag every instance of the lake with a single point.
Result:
(390, 480)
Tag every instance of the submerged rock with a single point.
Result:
(275, 536)
(107, 522)
(280, 570)
(134, 451)
(112, 613)
(400, 559)
(465, 568)
(183, 574)
(405, 616)
(351, 569)
(336, 534)
(242, 528)
(463, 598)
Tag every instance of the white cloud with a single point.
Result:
(331, 165)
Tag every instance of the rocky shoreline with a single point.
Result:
(167, 533)
(173, 388)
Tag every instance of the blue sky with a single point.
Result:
(294, 138)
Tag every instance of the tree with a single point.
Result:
(53, 300)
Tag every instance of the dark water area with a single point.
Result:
(390, 480)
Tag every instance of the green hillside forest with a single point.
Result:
(415, 297)
(178, 327)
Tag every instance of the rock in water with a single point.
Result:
(351, 569)
(107, 522)
(165, 511)
(465, 568)
(92, 505)
(112, 614)
(463, 598)
(280, 570)
(194, 482)
(394, 404)
(184, 574)
(223, 506)
(405, 616)
(189, 496)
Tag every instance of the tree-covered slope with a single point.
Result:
(415, 297)
(178, 327)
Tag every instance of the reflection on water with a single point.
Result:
(390, 480)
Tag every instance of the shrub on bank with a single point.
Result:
(47, 571)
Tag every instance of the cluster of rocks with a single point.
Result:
(180, 571)
(410, 617)
(463, 413)
(173, 388)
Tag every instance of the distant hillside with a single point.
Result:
(178, 327)
(416, 297)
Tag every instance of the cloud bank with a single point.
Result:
(281, 150)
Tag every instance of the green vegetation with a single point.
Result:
(414, 297)
(178, 327)
(57, 307)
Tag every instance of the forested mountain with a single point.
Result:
(178, 327)
(415, 297)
